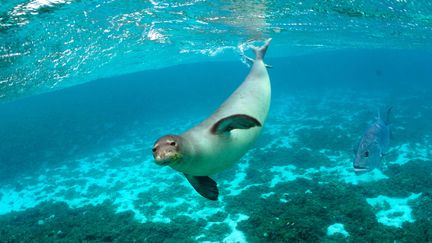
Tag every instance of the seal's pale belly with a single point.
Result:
(214, 153)
(219, 154)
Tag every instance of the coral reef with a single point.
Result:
(295, 185)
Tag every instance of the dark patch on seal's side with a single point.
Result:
(237, 121)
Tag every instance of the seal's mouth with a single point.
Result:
(162, 161)
(166, 159)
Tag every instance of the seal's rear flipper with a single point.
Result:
(252, 61)
(204, 185)
(238, 121)
(261, 51)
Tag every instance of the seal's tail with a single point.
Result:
(261, 51)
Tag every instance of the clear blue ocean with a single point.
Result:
(87, 87)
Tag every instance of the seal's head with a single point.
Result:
(166, 150)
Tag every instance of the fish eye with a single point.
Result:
(173, 143)
(366, 154)
(153, 150)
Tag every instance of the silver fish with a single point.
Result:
(373, 145)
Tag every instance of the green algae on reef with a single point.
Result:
(58, 223)
(306, 216)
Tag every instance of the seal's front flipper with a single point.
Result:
(238, 121)
(204, 185)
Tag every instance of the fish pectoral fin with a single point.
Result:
(204, 185)
(384, 164)
(392, 151)
(237, 121)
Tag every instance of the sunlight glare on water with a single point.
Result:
(48, 44)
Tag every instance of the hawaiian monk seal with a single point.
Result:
(222, 139)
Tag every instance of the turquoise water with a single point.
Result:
(87, 87)
(50, 44)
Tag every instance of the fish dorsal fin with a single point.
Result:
(204, 185)
(237, 121)
(388, 115)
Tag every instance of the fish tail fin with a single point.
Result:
(261, 51)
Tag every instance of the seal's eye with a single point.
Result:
(366, 154)
(173, 143)
(153, 150)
